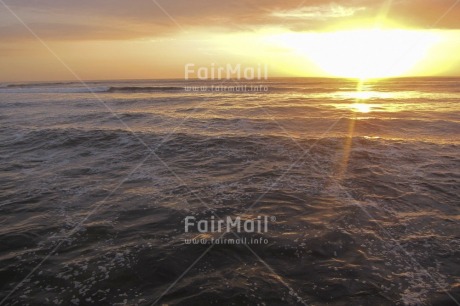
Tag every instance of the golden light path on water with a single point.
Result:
(362, 108)
(361, 101)
(357, 107)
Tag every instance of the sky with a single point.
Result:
(46, 40)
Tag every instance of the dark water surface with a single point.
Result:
(364, 187)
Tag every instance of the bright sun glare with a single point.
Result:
(368, 53)
(362, 108)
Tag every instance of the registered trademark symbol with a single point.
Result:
(273, 218)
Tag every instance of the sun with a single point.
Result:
(363, 53)
(371, 53)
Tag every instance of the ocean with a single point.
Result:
(356, 185)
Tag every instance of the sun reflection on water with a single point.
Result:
(366, 95)
(361, 107)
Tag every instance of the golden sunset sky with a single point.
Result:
(147, 39)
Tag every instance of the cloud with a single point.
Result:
(323, 12)
(123, 20)
(71, 31)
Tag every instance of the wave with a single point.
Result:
(144, 89)
(46, 84)
(48, 88)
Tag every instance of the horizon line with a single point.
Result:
(233, 79)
